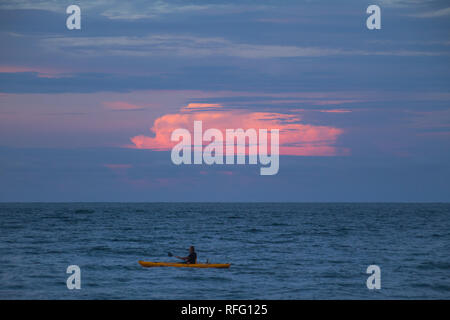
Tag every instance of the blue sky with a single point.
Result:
(72, 100)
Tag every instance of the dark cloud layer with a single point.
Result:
(267, 56)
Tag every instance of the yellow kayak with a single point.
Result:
(184, 265)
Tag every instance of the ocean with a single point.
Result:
(277, 250)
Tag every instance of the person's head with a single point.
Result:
(191, 249)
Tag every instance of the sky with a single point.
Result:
(86, 115)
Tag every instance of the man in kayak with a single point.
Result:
(191, 258)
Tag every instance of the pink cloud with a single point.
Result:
(42, 72)
(295, 138)
(201, 106)
(305, 101)
(336, 111)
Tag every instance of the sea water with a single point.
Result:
(277, 250)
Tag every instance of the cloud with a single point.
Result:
(404, 3)
(433, 14)
(201, 106)
(120, 105)
(41, 72)
(194, 46)
(178, 45)
(295, 138)
(128, 10)
(47, 5)
(134, 10)
(423, 6)
(336, 111)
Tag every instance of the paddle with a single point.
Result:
(171, 255)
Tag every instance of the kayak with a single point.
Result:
(149, 264)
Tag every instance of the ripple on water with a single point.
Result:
(277, 251)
